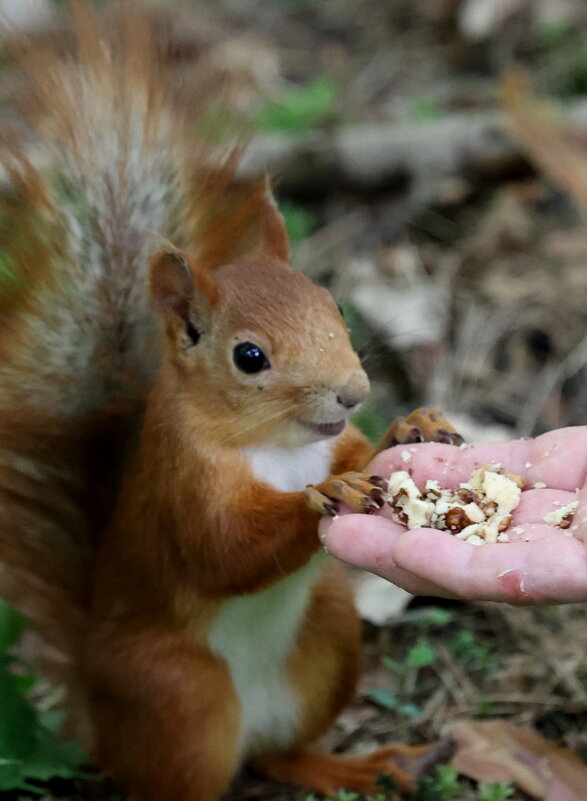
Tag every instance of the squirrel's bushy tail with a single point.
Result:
(115, 161)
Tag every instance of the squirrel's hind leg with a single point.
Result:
(328, 773)
(165, 716)
(324, 669)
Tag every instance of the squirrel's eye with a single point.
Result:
(249, 358)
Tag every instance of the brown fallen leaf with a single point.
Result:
(548, 137)
(498, 751)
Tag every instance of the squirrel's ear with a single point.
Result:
(177, 291)
(275, 241)
(171, 282)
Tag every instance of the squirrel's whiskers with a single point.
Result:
(161, 416)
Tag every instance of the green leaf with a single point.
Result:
(24, 684)
(444, 786)
(370, 423)
(384, 698)
(425, 107)
(10, 775)
(410, 710)
(28, 750)
(51, 720)
(467, 648)
(298, 221)
(301, 108)
(57, 758)
(393, 664)
(387, 784)
(11, 625)
(484, 708)
(17, 719)
(448, 782)
(552, 34)
(432, 616)
(421, 655)
(498, 791)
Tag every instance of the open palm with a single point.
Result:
(540, 564)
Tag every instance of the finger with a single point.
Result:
(367, 542)
(558, 459)
(578, 526)
(528, 532)
(546, 569)
(536, 504)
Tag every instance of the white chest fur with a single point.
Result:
(255, 633)
(290, 469)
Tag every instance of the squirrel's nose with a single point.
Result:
(354, 391)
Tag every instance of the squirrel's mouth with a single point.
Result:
(326, 429)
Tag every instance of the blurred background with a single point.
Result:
(423, 181)
(430, 157)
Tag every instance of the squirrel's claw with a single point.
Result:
(319, 503)
(422, 425)
(360, 492)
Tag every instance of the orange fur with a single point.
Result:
(210, 538)
(353, 452)
(196, 527)
(165, 713)
(325, 665)
(328, 773)
(80, 341)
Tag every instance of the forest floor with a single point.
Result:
(460, 265)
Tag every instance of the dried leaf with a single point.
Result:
(544, 131)
(498, 751)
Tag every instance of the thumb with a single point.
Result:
(362, 540)
(369, 542)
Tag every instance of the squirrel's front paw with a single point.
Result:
(422, 425)
(361, 492)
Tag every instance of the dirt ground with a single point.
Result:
(464, 277)
(458, 254)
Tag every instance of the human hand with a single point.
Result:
(541, 563)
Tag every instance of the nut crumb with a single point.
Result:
(477, 512)
(539, 485)
(406, 456)
(563, 517)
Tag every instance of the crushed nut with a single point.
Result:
(479, 511)
(456, 519)
(563, 517)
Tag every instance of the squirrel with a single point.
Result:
(172, 426)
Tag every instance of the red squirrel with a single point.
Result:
(196, 621)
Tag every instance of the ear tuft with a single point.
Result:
(275, 241)
(172, 283)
